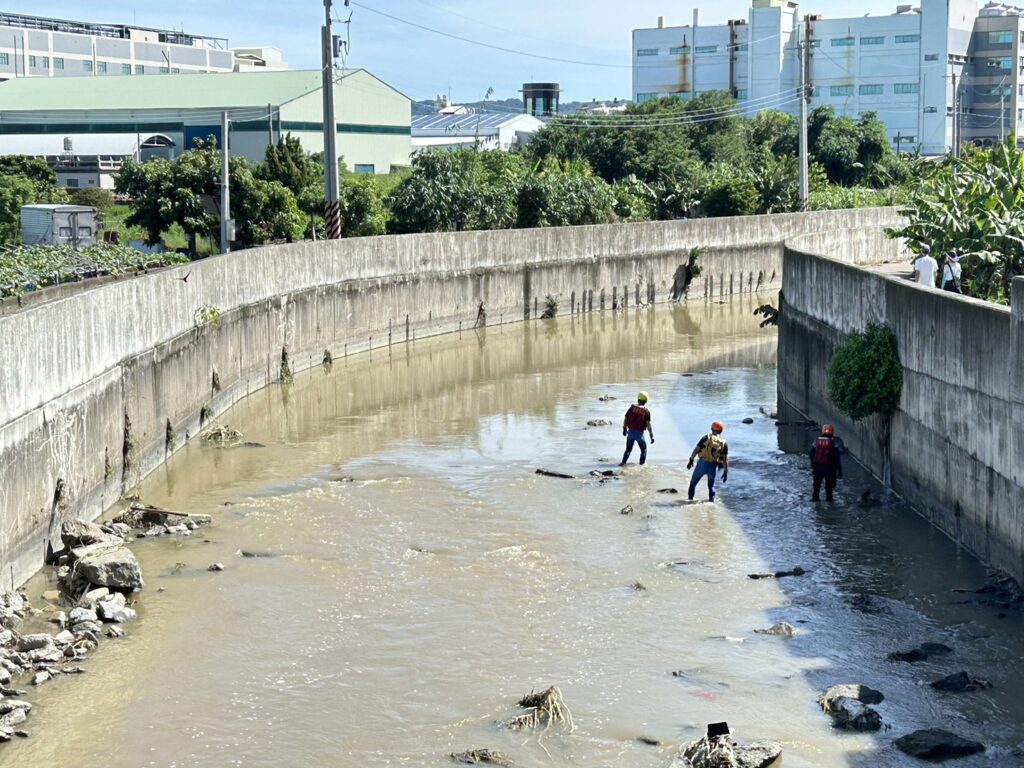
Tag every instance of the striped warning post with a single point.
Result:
(332, 217)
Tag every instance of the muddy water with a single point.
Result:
(425, 578)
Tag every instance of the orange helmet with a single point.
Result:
(718, 427)
(828, 429)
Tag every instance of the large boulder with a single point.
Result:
(960, 682)
(722, 752)
(848, 705)
(114, 568)
(79, 533)
(936, 744)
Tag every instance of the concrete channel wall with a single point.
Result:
(956, 447)
(101, 385)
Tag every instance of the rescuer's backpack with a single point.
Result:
(823, 448)
(636, 418)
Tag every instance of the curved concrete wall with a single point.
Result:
(99, 387)
(957, 441)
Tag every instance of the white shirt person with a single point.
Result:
(952, 272)
(925, 268)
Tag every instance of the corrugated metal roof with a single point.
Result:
(214, 90)
(462, 123)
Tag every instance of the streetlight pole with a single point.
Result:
(332, 213)
(805, 180)
(225, 186)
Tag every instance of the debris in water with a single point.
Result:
(648, 741)
(549, 473)
(848, 706)
(604, 473)
(626, 510)
(543, 709)
(216, 567)
(474, 756)
(960, 682)
(720, 751)
(781, 629)
(748, 420)
(255, 553)
(798, 571)
(636, 586)
(922, 652)
(222, 435)
(668, 490)
(598, 423)
(606, 398)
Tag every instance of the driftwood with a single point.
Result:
(798, 571)
(549, 473)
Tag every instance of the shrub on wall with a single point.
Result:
(865, 376)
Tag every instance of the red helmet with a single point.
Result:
(718, 427)
(828, 429)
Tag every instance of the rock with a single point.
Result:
(11, 705)
(9, 619)
(53, 595)
(5, 676)
(115, 632)
(64, 638)
(178, 530)
(154, 531)
(35, 642)
(115, 568)
(6, 637)
(626, 510)
(13, 718)
(113, 609)
(748, 420)
(14, 601)
(599, 423)
(41, 677)
(782, 629)
(49, 655)
(79, 615)
(848, 706)
(722, 752)
(922, 652)
(937, 744)
(88, 629)
(123, 616)
(861, 693)
(959, 683)
(216, 567)
(475, 756)
(120, 529)
(78, 533)
(759, 755)
(648, 741)
(59, 618)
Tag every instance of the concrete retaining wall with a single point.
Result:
(98, 387)
(957, 441)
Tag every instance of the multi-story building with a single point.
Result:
(32, 46)
(936, 74)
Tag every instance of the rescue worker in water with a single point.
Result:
(825, 462)
(635, 422)
(711, 453)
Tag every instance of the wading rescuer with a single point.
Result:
(826, 462)
(636, 421)
(711, 453)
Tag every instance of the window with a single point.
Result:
(32, 62)
(642, 97)
(365, 168)
(66, 231)
(996, 90)
(1000, 38)
(126, 69)
(741, 94)
(1022, 38)
(908, 38)
(872, 90)
(872, 40)
(72, 184)
(679, 50)
(1020, 90)
(101, 67)
(46, 62)
(646, 51)
(139, 69)
(906, 88)
(85, 231)
(87, 66)
(706, 49)
(931, 57)
(164, 70)
(840, 42)
(175, 71)
(742, 47)
(5, 59)
(815, 43)
(1001, 62)
(842, 90)
(58, 63)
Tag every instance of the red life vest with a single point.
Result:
(823, 450)
(636, 418)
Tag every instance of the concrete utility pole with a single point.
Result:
(225, 188)
(956, 119)
(332, 213)
(805, 97)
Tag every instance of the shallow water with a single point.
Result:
(426, 578)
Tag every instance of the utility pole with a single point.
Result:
(332, 213)
(956, 145)
(270, 125)
(805, 96)
(225, 188)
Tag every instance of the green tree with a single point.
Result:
(729, 191)
(865, 375)
(35, 169)
(558, 196)
(362, 207)
(100, 199)
(777, 181)
(776, 131)
(15, 191)
(290, 165)
(838, 150)
(439, 196)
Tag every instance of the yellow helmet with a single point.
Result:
(642, 398)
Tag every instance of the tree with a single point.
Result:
(35, 169)
(165, 193)
(562, 196)
(290, 165)
(100, 199)
(15, 191)
(777, 181)
(838, 150)
(439, 196)
(776, 131)
(865, 375)
(729, 192)
(362, 207)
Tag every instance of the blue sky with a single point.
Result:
(423, 64)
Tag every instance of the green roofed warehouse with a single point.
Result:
(127, 116)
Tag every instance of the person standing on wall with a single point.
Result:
(925, 268)
(826, 462)
(952, 271)
(711, 453)
(636, 421)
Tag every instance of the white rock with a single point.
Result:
(90, 598)
(41, 677)
(78, 615)
(64, 638)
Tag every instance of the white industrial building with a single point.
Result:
(936, 74)
(485, 130)
(35, 46)
(117, 117)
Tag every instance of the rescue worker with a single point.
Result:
(636, 421)
(711, 453)
(825, 462)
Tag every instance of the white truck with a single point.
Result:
(73, 225)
